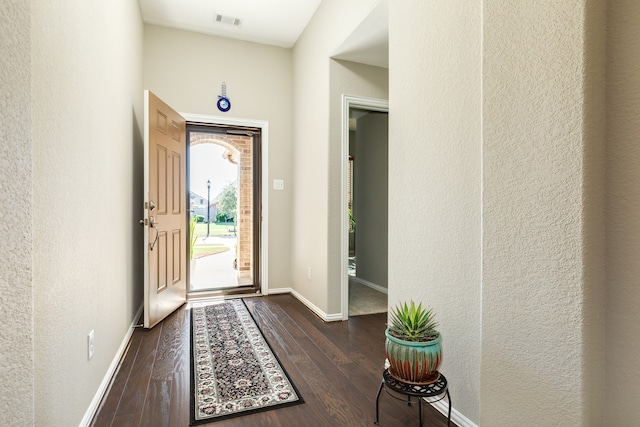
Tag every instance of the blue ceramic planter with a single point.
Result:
(413, 362)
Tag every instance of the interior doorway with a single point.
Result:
(224, 194)
(365, 210)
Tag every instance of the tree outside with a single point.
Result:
(228, 201)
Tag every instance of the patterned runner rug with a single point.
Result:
(233, 369)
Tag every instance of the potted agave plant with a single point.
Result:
(413, 346)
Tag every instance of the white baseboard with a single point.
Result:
(321, 314)
(278, 291)
(372, 285)
(459, 419)
(95, 403)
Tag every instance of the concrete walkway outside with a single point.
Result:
(215, 271)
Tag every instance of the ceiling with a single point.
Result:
(368, 43)
(273, 22)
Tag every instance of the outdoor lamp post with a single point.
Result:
(208, 204)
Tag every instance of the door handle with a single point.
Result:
(152, 224)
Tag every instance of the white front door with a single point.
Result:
(165, 220)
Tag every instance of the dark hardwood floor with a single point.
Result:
(336, 367)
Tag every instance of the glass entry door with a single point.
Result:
(224, 200)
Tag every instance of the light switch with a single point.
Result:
(278, 184)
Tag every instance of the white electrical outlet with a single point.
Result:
(309, 273)
(278, 184)
(90, 345)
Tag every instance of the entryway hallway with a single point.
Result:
(337, 368)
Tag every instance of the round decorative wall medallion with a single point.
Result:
(224, 104)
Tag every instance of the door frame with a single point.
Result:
(362, 103)
(263, 125)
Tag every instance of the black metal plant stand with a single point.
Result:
(433, 392)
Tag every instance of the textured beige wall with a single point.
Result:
(623, 213)
(315, 222)
(258, 79)
(16, 204)
(593, 212)
(87, 192)
(434, 177)
(541, 219)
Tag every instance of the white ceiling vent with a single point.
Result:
(229, 20)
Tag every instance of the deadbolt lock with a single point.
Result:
(151, 205)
